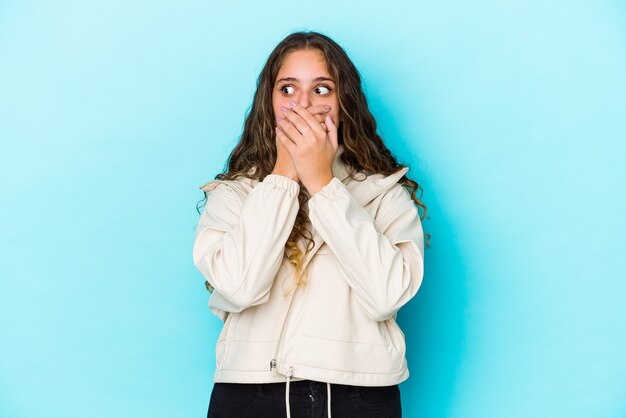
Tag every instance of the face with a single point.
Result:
(304, 78)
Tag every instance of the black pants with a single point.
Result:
(307, 399)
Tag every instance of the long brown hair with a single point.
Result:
(364, 150)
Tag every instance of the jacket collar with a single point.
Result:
(364, 188)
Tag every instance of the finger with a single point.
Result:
(298, 123)
(320, 118)
(283, 123)
(285, 140)
(305, 118)
(289, 129)
(332, 130)
(318, 109)
(319, 112)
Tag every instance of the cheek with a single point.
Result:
(335, 115)
(277, 102)
(335, 110)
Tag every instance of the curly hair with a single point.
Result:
(255, 154)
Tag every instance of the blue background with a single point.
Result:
(512, 116)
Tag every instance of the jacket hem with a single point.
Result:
(350, 378)
(302, 372)
(249, 376)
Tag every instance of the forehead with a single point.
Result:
(304, 64)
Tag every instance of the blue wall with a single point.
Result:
(512, 116)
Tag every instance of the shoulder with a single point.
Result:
(237, 188)
(371, 187)
(395, 200)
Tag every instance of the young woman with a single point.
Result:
(310, 243)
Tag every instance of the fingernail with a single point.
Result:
(284, 109)
(277, 129)
(292, 103)
(327, 107)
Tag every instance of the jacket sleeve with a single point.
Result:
(239, 244)
(381, 258)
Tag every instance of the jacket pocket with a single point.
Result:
(330, 309)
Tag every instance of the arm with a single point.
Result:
(239, 245)
(381, 259)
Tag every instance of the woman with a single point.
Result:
(310, 243)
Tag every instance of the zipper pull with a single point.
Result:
(273, 368)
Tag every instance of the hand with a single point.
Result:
(284, 164)
(312, 147)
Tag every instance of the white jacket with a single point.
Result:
(367, 263)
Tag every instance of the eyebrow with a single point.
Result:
(297, 81)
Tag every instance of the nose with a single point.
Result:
(304, 99)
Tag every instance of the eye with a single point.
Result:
(323, 88)
(285, 87)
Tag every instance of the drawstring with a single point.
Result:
(328, 392)
(289, 375)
